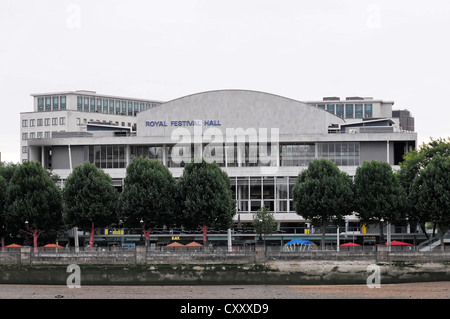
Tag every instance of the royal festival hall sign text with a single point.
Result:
(183, 123)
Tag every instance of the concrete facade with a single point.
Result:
(263, 141)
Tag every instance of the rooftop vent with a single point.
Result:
(332, 98)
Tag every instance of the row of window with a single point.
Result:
(44, 122)
(52, 103)
(251, 193)
(112, 106)
(349, 111)
(32, 135)
(341, 153)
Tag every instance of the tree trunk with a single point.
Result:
(424, 230)
(35, 237)
(147, 236)
(441, 237)
(205, 230)
(3, 244)
(381, 241)
(324, 229)
(91, 240)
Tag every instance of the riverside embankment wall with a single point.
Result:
(142, 267)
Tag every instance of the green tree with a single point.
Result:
(89, 199)
(322, 193)
(263, 222)
(3, 190)
(379, 195)
(148, 195)
(413, 163)
(7, 170)
(34, 202)
(431, 193)
(204, 193)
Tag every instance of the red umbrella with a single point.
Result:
(13, 246)
(194, 244)
(398, 243)
(175, 244)
(53, 246)
(349, 245)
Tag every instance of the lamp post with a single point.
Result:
(382, 242)
(260, 230)
(141, 239)
(121, 225)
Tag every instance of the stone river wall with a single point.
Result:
(142, 267)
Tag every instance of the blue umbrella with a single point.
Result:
(299, 241)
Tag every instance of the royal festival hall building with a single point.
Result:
(263, 141)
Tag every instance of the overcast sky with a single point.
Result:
(305, 50)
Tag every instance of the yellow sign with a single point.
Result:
(175, 237)
(114, 231)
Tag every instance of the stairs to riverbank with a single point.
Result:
(434, 242)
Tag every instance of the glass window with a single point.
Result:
(39, 135)
(340, 110)
(47, 134)
(330, 108)
(99, 105)
(242, 188)
(32, 121)
(268, 188)
(39, 122)
(55, 103)
(62, 121)
(24, 123)
(255, 188)
(55, 121)
(297, 154)
(92, 105)
(321, 106)
(32, 135)
(40, 104)
(111, 106)
(63, 102)
(24, 149)
(291, 187)
(24, 136)
(281, 188)
(47, 122)
(349, 111)
(117, 107)
(130, 108)
(124, 109)
(105, 106)
(79, 103)
(48, 103)
(358, 111)
(367, 110)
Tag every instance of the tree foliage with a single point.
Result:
(33, 197)
(378, 194)
(322, 193)
(414, 162)
(3, 190)
(204, 192)
(89, 198)
(430, 193)
(263, 222)
(148, 194)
